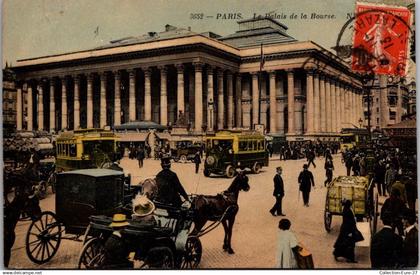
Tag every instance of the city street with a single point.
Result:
(255, 231)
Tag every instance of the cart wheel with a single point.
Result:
(256, 169)
(43, 238)
(327, 220)
(92, 255)
(230, 171)
(160, 258)
(192, 255)
(183, 158)
(206, 173)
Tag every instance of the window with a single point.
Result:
(392, 115)
(243, 145)
(73, 150)
(377, 109)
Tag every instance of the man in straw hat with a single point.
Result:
(116, 248)
(278, 193)
(169, 187)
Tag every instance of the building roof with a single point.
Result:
(256, 31)
(170, 32)
(139, 125)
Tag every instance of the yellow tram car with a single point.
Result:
(228, 150)
(87, 148)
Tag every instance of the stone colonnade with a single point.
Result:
(293, 102)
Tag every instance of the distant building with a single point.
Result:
(296, 89)
(9, 101)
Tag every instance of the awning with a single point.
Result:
(132, 137)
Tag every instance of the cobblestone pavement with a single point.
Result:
(255, 230)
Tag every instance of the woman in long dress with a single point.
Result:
(344, 246)
(287, 246)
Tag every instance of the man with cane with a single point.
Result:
(305, 180)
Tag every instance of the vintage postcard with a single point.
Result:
(276, 134)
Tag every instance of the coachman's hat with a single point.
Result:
(119, 220)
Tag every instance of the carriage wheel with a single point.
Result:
(92, 255)
(192, 255)
(327, 220)
(327, 216)
(183, 158)
(43, 238)
(206, 173)
(159, 257)
(230, 171)
(256, 169)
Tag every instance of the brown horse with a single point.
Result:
(25, 200)
(222, 207)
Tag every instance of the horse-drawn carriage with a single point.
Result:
(357, 189)
(85, 202)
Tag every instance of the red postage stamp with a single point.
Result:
(380, 41)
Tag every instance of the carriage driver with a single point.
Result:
(169, 187)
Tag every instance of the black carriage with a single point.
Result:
(79, 194)
(165, 243)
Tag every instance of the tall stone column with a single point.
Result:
(255, 99)
(40, 106)
(338, 104)
(117, 100)
(246, 104)
(102, 116)
(328, 103)
(163, 96)
(52, 104)
(89, 101)
(210, 99)
(317, 113)
(399, 104)
(132, 96)
(180, 88)
(342, 106)
(333, 107)
(76, 111)
(19, 108)
(30, 124)
(310, 102)
(238, 100)
(64, 103)
(220, 98)
(273, 102)
(147, 95)
(198, 98)
(323, 101)
(353, 107)
(291, 102)
(230, 100)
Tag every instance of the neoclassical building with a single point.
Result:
(300, 90)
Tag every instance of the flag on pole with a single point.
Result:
(262, 61)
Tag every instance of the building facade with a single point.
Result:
(296, 89)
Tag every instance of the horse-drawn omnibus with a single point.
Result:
(228, 150)
(352, 137)
(82, 149)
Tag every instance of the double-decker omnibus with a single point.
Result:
(87, 148)
(228, 150)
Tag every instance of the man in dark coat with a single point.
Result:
(411, 244)
(311, 157)
(306, 179)
(278, 193)
(140, 156)
(169, 187)
(329, 167)
(349, 162)
(396, 208)
(386, 246)
(197, 161)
